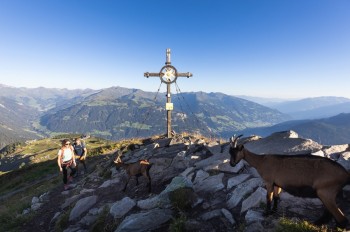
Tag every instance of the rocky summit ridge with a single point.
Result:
(193, 189)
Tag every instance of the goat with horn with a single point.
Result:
(137, 169)
(300, 175)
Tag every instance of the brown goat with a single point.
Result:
(300, 175)
(140, 168)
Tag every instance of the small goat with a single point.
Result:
(300, 175)
(137, 169)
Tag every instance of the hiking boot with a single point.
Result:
(70, 179)
(66, 187)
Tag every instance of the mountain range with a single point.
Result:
(118, 113)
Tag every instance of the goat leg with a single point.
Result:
(269, 197)
(149, 185)
(276, 197)
(326, 217)
(328, 198)
(126, 184)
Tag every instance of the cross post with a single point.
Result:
(168, 75)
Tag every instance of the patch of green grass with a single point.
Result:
(105, 222)
(10, 220)
(178, 223)
(34, 179)
(182, 198)
(288, 225)
(62, 221)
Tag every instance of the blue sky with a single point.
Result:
(280, 49)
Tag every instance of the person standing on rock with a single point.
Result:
(65, 160)
(80, 152)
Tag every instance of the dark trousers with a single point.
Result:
(65, 172)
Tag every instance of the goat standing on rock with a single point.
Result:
(140, 168)
(300, 175)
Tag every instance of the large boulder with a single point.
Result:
(82, 206)
(122, 207)
(145, 221)
(283, 143)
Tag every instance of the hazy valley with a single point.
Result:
(117, 113)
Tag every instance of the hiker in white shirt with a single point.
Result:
(65, 160)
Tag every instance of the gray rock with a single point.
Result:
(344, 160)
(211, 214)
(44, 197)
(335, 149)
(35, 200)
(74, 228)
(108, 183)
(283, 143)
(162, 170)
(187, 172)
(162, 200)
(145, 221)
(241, 190)
(82, 206)
(55, 217)
(176, 183)
(121, 208)
(254, 216)
(26, 211)
(94, 211)
(214, 159)
(214, 148)
(87, 191)
(236, 180)
(164, 142)
(200, 176)
(70, 201)
(318, 153)
(223, 166)
(180, 161)
(149, 203)
(211, 184)
(36, 206)
(228, 216)
(254, 227)
(254, 200)
(88, 220)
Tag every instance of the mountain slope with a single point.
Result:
(116, 113)
(20, 108)
(313, 108)
(15, 121)
(41, 98)
(333, 130)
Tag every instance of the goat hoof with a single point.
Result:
(343, 224)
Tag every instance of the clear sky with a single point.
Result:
(283, 49)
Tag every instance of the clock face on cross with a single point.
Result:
(168, 74)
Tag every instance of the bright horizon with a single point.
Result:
(274, 49)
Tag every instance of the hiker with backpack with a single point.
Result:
(65, 160)
(80, 152)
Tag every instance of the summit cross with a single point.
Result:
(168, 75)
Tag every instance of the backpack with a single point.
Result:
(79, 148)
